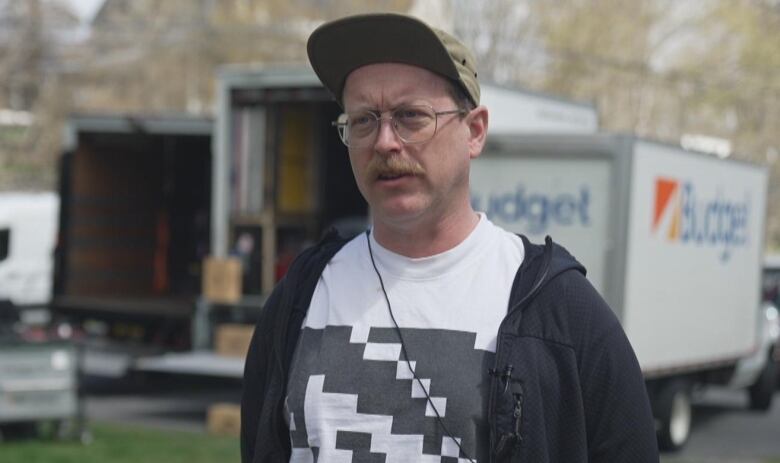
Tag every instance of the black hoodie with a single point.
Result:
(565, 387)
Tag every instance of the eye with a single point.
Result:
(409, 114)
(413, 117)
(362, 119)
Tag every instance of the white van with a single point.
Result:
(28, 228)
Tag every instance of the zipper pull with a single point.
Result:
(517, 413)
(509, 442)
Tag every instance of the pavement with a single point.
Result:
(171, 402)
(724, 429)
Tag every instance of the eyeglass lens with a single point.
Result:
(413, 124)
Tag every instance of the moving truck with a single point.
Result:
(673, 240)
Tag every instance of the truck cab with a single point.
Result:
(28, 228)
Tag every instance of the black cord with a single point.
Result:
(406, 356)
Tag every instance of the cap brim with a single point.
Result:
(339, 47)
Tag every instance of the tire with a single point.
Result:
(672, 409)
(763, 390)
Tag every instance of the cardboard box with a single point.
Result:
(222, 279)
(224, 419)
(232, 339)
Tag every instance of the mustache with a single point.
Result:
(393, 166)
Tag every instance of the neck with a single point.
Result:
(426, 238)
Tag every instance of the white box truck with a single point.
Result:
(673, 240)
(28, 231)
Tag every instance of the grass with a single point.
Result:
(114, 443)
(123, 443)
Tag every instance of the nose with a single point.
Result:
(387, 140)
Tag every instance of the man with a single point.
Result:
(434, 336)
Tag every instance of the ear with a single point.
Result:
(477, 121)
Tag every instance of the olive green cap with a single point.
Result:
(339, 47)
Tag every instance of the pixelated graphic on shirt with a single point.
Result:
(353, 398)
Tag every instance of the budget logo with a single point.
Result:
(682, 215)
(535, 212)
(667, 205)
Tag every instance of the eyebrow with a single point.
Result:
(370, 108)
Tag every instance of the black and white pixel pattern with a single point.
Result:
(352, 398)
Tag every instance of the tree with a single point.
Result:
(28, 66)
(138, 45)
(736, 91)
(659, 69)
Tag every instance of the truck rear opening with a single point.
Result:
(134, 226)
(282, 175)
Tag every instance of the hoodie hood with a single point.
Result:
(542, 264)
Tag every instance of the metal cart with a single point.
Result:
(39, 384)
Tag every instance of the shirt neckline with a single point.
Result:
(437, 265)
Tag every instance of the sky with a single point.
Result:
(85, 9)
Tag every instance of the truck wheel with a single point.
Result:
(762, 391)
(673, 411)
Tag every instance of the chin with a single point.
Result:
(395, 211)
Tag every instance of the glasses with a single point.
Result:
(412, 124)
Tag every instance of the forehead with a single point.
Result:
(386, 84)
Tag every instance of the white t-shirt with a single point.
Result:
(351, 394)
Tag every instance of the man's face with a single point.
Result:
(403, 182)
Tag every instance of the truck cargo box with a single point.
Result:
(672, 239)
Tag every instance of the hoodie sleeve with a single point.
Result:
(255, 375)
(619, 421)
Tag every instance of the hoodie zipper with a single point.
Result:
(496, 447)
